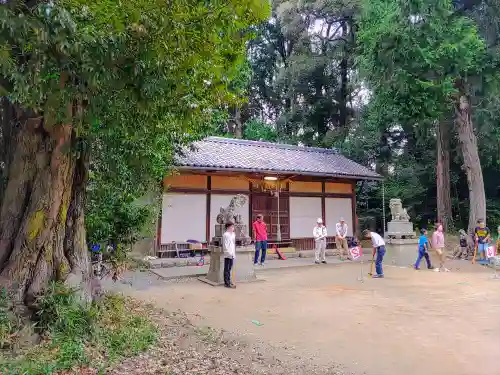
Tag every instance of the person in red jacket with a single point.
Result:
(260, 238)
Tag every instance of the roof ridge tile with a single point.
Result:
(246, 142)
(256, 156)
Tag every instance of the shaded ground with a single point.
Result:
(186, 349)
(409, 323)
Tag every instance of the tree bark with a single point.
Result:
(444, 207)
(42, 233)
(470, 154)
(237, 124)
(344, 81)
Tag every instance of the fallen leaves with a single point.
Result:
(185, 349)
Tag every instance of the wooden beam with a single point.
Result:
(208, 213)
(201, 191)
(326, 195)
(261, 175)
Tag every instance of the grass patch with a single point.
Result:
(76, 336)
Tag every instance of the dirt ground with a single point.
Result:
(411, 322)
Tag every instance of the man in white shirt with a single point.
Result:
(319, 234)
(378, 245)
(340, 238)
(229, 248)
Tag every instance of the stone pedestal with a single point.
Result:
(495, 262)
(243, 268)
(400, 229)
(401, 252)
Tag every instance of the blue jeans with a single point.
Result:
(380, 258)
(423, 254)
(260, 245)
(481, 249)
(228, 266)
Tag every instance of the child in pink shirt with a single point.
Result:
(438, 246)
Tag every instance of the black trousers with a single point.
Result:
(228, 265)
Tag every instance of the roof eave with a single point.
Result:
(246, 170)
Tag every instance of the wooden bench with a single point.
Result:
(171, 250)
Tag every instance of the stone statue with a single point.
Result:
(228, 215)
(404, 215)
(397, 211)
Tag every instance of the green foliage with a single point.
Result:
(116, 216)
(412, 54)
(493, 214)
(10, 324)
(78, 335)
(137, 80)
(303, 77)
(258, 131)
(59, 311)
(402, 74)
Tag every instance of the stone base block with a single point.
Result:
(401, 252)
(400, 229)
(495, 262)
(243, 269)
(310, 253)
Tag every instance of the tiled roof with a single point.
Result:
(252, 156)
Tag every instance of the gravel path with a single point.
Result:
(316, 317)
(185, 349)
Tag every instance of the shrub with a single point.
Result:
(77, 335)
(9, 323)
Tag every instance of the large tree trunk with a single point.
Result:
(42, 233)
(472, 163)
(237, 124)
(444, 208)
(343, 100)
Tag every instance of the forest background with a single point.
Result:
(408, 88)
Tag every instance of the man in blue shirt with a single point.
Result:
(423, 250)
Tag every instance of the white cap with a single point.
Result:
(342, 219)
(319, 221)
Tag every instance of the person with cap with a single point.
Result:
(340, 238)
(378, 245)
(319, 234)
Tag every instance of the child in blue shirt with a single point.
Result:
(423, 250)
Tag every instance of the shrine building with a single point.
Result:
(292, 186)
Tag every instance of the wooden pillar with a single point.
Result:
(323, 203)
(158, 229)
(158, 224)
(250, 209)
(354, 217)
(289, 219)
(208, 213)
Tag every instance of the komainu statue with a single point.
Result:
(228, 214)
(397, 210)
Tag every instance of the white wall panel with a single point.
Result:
(335, 209)
(222, 200)
(304, 211)
(183, 217)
